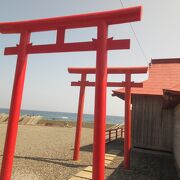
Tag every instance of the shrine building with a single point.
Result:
(156, 109)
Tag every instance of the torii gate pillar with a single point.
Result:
(14, 113)
(100, 103)
(79, 119)
(127, 138)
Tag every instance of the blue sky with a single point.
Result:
(47, 84)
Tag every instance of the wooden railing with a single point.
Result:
(114, 133)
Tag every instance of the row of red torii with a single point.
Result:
(101, 45)
(127, 84)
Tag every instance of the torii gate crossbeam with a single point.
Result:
(101, 20)
(128, 71)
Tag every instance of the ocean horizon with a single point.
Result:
(65, 116)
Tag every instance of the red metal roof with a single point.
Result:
(174, 90)
(164, 74)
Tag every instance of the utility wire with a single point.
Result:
(142, 51)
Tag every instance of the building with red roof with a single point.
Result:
(156, 109)
(163, 75)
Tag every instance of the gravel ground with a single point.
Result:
(45, 153)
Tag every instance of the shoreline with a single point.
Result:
(39, 120)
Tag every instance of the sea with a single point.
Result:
(66, 116)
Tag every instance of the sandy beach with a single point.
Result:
(63, 123)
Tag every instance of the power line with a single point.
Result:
(139, 44)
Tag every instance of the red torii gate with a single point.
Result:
(128, 71)
(101, 20)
